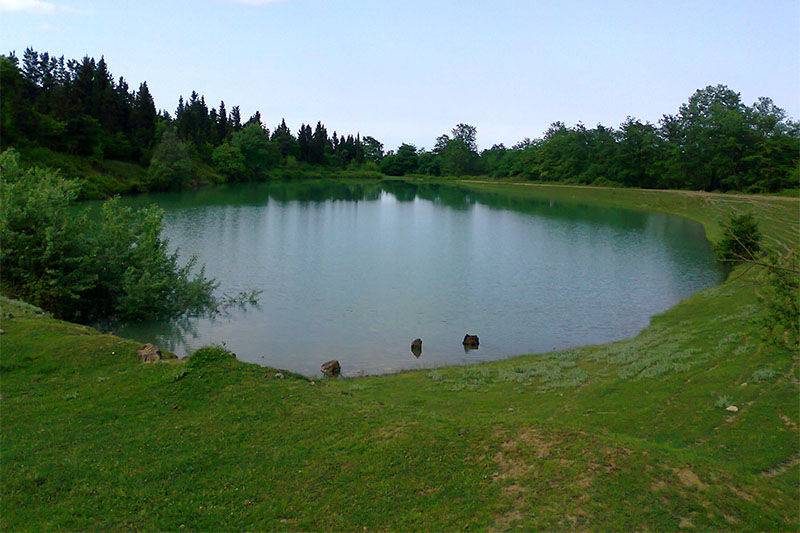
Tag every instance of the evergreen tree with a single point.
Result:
(304, 138)
(223, 129)
(282, 137)
(235, 122)
(319, 144)
(143, 118)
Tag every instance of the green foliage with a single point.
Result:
(779, 295)
(763, 374)
(373, 149)
(741, 240)
(209, 355)
(11, 83)
(171, 166)
(404, 451)
(115, 266)
(405, 161)
(713, 142)
(723, 402)
(458, 155)
(42, 259)
(228, 161)
(258, 153)
(142, 280)
(76, 108)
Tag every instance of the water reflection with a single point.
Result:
(352, 269)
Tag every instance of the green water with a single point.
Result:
(356, 271)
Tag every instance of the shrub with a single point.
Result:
(723, 402)
(763, 373)
(115, 266)
(779, 295)
(209, 355)
(741, 239)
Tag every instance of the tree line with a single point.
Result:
(80, 108)
(713, 142)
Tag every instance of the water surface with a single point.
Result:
(356, 271)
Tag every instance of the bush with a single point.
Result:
(741, 239)
(82, 268)
(763, 373)
(779, 295)
(723, 402)
(209, 355)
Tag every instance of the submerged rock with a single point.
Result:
(471, 341)
(331, 368)
(149, 353)
(416, 347)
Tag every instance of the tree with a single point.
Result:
(143, 117)
(304, 137)
(466, 135)
(459, 155)
(428, 163)
(235, 121)
(170, 166)
(638, 157)
(320, 144)
(229, 161)
(405, 161)
(708, 136)
(259, 154)
(12, 109)
(741, 240)
(282, 137)
(373, 149)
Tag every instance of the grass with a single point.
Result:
(100, 178)
(103, 178)
(622, 436)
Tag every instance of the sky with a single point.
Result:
(409, 71)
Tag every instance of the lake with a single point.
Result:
(355, 271)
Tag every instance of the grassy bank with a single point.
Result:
(103, 178)
(629, 435)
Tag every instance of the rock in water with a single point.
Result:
(471, 341)
(416, 347)
(732, 409)
(331, 368)
(149, 353)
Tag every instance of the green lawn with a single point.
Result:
(629, 435)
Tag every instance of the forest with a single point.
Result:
(714, 142)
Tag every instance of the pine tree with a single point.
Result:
(222, 122)
(235, 122)
(304, 138)
(283, 138)
(143, 118)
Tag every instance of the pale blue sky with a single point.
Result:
(410, 70)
